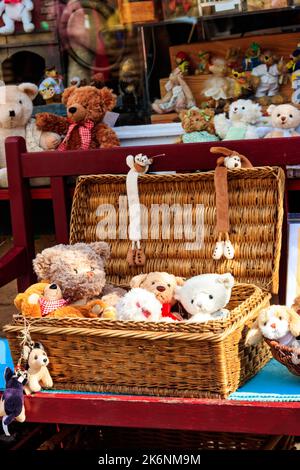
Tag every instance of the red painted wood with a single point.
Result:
(20, 204)
(165, 413)
(293, 184)
(179, 157)
(36, 193)
(11, 263)
(59, 198)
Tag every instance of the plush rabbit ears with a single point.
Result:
(230, 153)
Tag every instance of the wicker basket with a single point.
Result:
(187, 360)
(285, 356)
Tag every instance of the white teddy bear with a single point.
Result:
(16, 10)
(139, 305)
(243, 115)
(204, 297)
(15, 120)
(285, 120)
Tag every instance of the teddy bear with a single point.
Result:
(243, 115)
(276, 323)
(16, 10)
(285, 119)
(15, 120)
(139, 305)
(162, 285)
(205, 296)
(79, 271)
(38, 375)
(83, 128)
(268, 71)
(198, 125)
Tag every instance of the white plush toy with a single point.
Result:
(243, 115)
(139, 305)
(204, 297)
(277, 323)
(285, 119)
(15, 120)
(16, 10)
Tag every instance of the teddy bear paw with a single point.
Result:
(218, 250)
(228, 250)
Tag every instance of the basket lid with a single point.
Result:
(178, 223)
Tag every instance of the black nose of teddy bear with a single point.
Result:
(12, 113)
(160, 288)
(53, 286)
(72, 110)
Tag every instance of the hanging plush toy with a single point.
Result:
(38, 374)
(12, 400)
(16, 10)
(138, 165)
(232, 160)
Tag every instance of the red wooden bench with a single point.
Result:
(155, 412)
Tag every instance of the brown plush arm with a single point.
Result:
(51, 123)
(106, 137)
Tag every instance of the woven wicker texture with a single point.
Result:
(256, 214)
(95, 438)
(199, 360)
(287, 356)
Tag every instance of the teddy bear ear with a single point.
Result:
(42, 263)
(29, 89)
(101, 249)
(254, 335)
(179, 281)
(108, 98)
(227, 279)
(294, 322)
(67, 93)
(271, 109)
(136, 281)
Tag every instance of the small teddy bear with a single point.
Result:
(285, 118)
(205, 296)
(276, 323)
(83, 128)
(162, 285)
(198, 125)
(268, 71)
(139, 305)
(243, 116)
(38, 374)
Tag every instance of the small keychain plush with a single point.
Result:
(138, 165)
(12, 401)
(231, 160)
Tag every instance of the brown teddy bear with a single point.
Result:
(76, 274)
(198, 125)
(162, 285)
(83, 128)
(269, 72)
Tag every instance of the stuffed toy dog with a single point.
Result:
(12, 400)
(278, 323)
(204, 297)
(230, 160)
(38, 374)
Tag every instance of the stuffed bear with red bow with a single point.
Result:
(83, 128)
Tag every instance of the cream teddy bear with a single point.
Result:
(16, 10)
(15, 120)
(205, 296)
(243, 116)
(285, 119)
